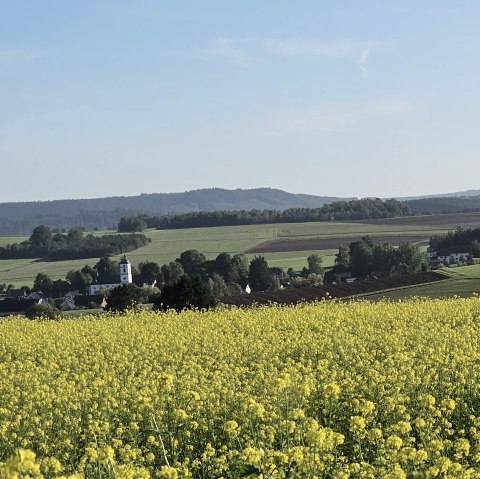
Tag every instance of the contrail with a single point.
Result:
(363, 61)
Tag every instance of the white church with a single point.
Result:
(110, 282)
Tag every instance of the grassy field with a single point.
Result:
(168, 244)
(297, 259)
(4, 240)
(465, 271)
(464, 281)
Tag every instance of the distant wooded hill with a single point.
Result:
(104, 213)
(458, 194)
(464, 204)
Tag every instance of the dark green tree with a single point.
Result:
(192, 261)
(241, 270)
(218, 286)
(60, 288)
(78, 280)
(385, 258)
(233, 289)
(43, 283)
(342, 260)
(122, 298)
(149, 272)
(475, 248)
(315, 262)
(410, 258)
(172, 272)
(89, 272)
(41, 238)
(361, 257)
(259, 274)
(131, 224)
(224, 266)
(187, 293)
(75, 235)
(106, 266)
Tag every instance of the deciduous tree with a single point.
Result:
(187, 293)
(43, 283)
(192, 261)
(122, 298)
(410, 258)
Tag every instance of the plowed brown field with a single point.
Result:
(427, 222)
(342, 290)
(311, 244)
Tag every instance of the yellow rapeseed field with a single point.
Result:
(327, 390)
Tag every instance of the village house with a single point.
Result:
(17, 293)
(451, 255)
(110, 282)
(74, 300)
(16, 305)
(23, 293)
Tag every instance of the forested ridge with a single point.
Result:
(338, 211)
(206, 207)
(465, 204)
(104, 213)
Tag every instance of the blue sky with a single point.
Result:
(337, 98)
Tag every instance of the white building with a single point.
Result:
(453, 257)
(110, 282)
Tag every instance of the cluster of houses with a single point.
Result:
(453, 255)
(17, 301)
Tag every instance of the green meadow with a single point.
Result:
(4, 240)
(167, 245)
(464, 281)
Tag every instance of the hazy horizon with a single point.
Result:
(111, 98)
(232, 189)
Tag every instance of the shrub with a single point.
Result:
(42, 310)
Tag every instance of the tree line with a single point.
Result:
(74, 244)
(462, 238)
(430, 206)
(366, 208)
(362, 258)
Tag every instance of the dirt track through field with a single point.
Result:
(310, 244)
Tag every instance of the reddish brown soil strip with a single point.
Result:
(310, 244)
(342, 290)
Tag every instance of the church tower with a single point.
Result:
(125, 271)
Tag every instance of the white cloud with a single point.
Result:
(363, 61)
(244, 52)
(302, 47)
